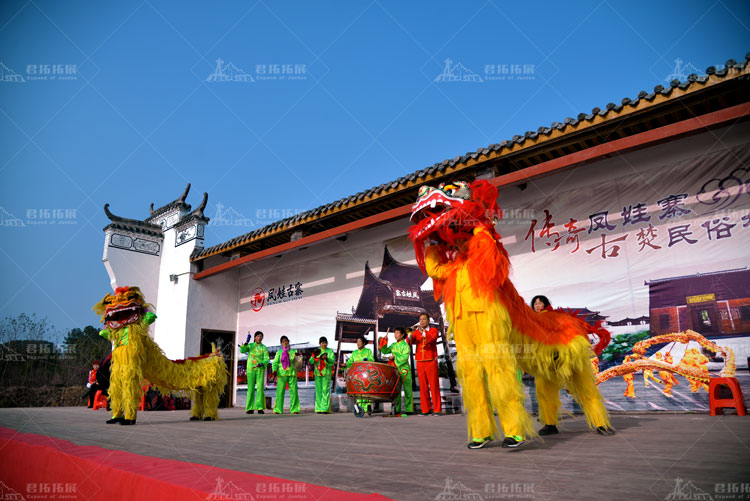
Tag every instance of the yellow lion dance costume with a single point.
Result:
(495, 332)
(135, 357)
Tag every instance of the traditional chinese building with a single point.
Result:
(712, 304)
(392, 299)
(644, 186)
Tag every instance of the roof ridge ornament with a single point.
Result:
(109, 214)
(180, 201)
(199, 210)
(184, 194)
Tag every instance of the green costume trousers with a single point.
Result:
(322, 393)
(408, 397)
(281, 382)
(256, 397)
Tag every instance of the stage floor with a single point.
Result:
(426, 457)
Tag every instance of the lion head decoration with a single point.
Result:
(126, 306)
(447, 215)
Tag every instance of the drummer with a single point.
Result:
(286, 373)
(361, 354)
(400, 351)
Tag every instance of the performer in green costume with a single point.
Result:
(361, 354)
(322, 361)
(257, 361)
(283, 366)
(400, 351)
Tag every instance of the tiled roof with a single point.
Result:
(643, 100)
(696, 275)
(134, 225)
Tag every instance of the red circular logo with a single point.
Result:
(258, 299)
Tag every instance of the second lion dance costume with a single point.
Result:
(135, 357)
(495, 332)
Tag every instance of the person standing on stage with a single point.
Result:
(257, 361)
(91, 385)
(425, 340)
(286, 373)
(322, 360)
(400, 351)
(361, 354)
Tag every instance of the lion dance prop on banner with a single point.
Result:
(495, 331)
(135, 357)
(691, 369)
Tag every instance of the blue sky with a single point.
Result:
(130, 117)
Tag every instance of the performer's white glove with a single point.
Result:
(88, 385)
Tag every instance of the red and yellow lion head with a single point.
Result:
(447, 215)
(126, 306)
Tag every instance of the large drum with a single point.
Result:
(373, 381)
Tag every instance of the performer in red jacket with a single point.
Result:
(425, 340)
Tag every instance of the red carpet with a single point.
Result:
(46, 467)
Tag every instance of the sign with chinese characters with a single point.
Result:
(400, 294)
(585, 239)
(702, 298)
(275, 295)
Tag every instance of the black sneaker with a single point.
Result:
(194, 418)
(605, 430)
(261, 412)
(512, 443)
(249, 412)
(549, 429)
(478, 445)
(126, 422)
(208, 419)
(115, 420)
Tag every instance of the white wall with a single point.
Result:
(171, 324)
(127, 267)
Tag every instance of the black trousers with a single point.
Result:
(92, 393)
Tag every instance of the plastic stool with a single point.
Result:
(100, 400)
(735, 402)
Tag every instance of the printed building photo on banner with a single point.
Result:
(659, 248)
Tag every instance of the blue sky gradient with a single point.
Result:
(138, 119)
